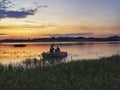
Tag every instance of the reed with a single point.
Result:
(102, 74)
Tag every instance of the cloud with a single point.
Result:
(16, 14)
(5, 27)
(5, 4)
(35, 27)
(99, 28)
(114, 35)
(2, 34)
(43, 26)
(70, 35)
(108, 35)
(5, 11)
(30, 22)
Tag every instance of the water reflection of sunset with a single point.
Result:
(78, 51)
(8, 53)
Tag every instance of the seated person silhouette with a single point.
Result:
(52, 49)
(57, 49)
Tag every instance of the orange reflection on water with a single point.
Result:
(76, 50)
(10, 54)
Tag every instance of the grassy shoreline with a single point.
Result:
(102, 74)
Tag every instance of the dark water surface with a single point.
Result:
(76, 50)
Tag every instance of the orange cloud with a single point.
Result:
(93, 29)
(37, 31)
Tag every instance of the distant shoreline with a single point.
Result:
(64, 39)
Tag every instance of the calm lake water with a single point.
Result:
(76, 50)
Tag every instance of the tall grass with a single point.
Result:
(102, 74)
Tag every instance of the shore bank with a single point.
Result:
(102, 74)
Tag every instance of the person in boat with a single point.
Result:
(57, 49)
(52, 49)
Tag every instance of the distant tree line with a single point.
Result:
(63, 39)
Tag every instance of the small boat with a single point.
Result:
(19, 45)
(47, 55)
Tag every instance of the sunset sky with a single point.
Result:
(47, 18)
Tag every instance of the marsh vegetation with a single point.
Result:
(102, 74)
